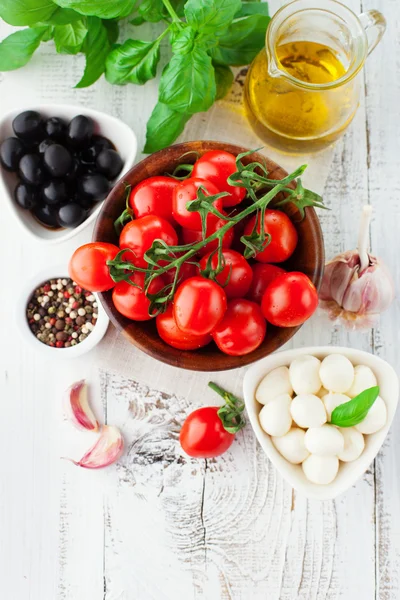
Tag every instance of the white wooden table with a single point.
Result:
(158, 526)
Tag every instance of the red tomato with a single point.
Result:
(203, 434)
(242, 329)
(238, 268)
(186, 191)
(187, 270)
(189, 237)
(199, 305)
(131, 301)
(153, 196)
(88, 266)
(216, 166)
(169, 331)
(138, 235)
(283, 236)
(289, 300)
(263, 275)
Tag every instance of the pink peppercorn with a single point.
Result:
(67, 295)
(78, 290)
(59, 344)
(52, 321)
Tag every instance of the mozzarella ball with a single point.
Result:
(322, 392)
(324, 441)
(275, 416)
(304, 374)
(353, 444)
(337, 373)
(375, 419)
(331, 401)
(308, 411)
(321, 469)
(364, 378)
(275, 383)
(291, 445)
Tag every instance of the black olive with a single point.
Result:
(75, 171)
(26, 196)
(46, 214)
(71, 214)
(94, 186)
(98, 143)
(109, 163)
(58, 160)
(29, 126)
(11, 152)
(44, 144)
(85, 201)
(80, 131)
(56, 128)
(31, 169)
(54, 192)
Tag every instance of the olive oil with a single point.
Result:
(286, 110)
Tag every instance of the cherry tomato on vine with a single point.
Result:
(187, 270)
(186, 191)
(242, 329)
(283, 236)
(216, 166)
(88, 266)
(199, 305)
(131, 301)
(203, 434)
(169, 331)
(236, 268)
(138, 236)
(190, 236)
(289, 300)
(153, 196)
(263, 275)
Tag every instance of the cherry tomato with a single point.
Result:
(187, 270)
(169, 331)
(283, 236)
(88, 266)
(289, 300)
(242, 329)
(263, 275)
(153, 196)
(199, 305)
(190, 236)
(186, 191)
(237, 267)
(203, 434)
(216, 166)
(138, 235)
(131, 301)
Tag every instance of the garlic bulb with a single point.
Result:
(357, 286)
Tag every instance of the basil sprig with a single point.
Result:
(353, 412)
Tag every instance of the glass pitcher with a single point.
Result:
(303, 89)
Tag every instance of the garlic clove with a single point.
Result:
(105, 451)
(275, 383)
(364, 379)
(77, 408)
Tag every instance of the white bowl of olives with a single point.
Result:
(58, 163)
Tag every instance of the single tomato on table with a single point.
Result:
(88, 266)
(242, 329)
(283, 236)
(189, 236)
(153, 196)
(199, 305)
(139, 235)
(263, 275)
(169, 331)
(185, 192)
(236, 268)
(131, 301)
(216, 166)
(289, 300)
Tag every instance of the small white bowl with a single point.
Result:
(27, 290)
(120, 134)
(350, 472)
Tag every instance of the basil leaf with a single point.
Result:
(163, 127)
(253, 8)
(69, 38)
(26, 12)
(96, 48)
(183, 41)
(112, 30)
(241, 43)
(17, 49)
(63, 16)
(223, 79)
(151, 11)
(353, 412)
(133, 62)
(188, 82)
(105, 9)
(208, 16)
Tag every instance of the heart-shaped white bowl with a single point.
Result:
(120, 134)
(350, 472)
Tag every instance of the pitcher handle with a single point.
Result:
(374, 24)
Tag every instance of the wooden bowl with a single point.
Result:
(308, 258)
